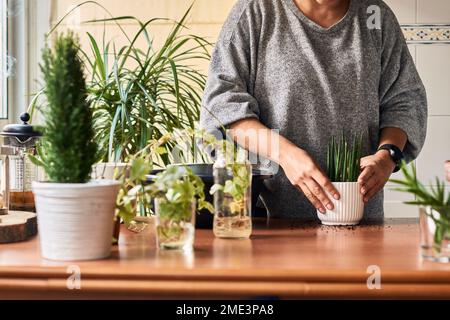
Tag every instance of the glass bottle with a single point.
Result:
(232, 199)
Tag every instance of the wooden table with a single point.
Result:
(283, 259)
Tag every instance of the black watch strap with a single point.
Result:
(395, 153)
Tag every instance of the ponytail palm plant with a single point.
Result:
(343, 159)
(139, 93)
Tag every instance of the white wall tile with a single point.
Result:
(394, 206)
(400, 210)
(433, 64)
(412, 51)
(436, 150)
(433, 11)
(405, 10)
(391, 195)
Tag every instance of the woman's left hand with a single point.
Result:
(375, 172)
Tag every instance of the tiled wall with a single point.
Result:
(433, 64)
(207, 17)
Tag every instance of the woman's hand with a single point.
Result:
(303, 172)
(375, 172)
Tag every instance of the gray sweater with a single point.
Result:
(274, 64)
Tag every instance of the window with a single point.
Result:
(3, 60)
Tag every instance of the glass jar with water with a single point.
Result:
(232, 198)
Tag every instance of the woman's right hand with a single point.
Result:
(304, 173)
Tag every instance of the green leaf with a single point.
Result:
(215, 188)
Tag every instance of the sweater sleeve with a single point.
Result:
(228, 93)
(403, 102)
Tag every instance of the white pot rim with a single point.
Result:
(90, 184)
(344, 182)
(112, 164)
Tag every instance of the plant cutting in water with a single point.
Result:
(343, 159)
(236, 187)
(437, 199)
(177, 190)
(232, 192)
(135, 197)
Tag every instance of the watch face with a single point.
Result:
(395, 153)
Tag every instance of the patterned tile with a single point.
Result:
(433, 33)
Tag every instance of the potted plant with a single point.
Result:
(140, 93)
(343, 168)
(434, 213)
(75, 215)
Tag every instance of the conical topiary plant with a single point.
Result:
(75, 216)
(68, 149)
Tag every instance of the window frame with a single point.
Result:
(3, 60)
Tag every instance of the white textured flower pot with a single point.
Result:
(75, 221)
(348, 210)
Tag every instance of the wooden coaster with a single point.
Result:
(17, 226)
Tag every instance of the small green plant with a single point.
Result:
(177, 191)
(343, 158)
(67, 151)
(436, 198)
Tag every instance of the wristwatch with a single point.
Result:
(395, 153)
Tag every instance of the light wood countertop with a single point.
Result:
(283, 259)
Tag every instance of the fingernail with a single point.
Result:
(322, 210)
(329, 206)
(336, 196)
(363, 191)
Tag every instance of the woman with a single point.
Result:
(310, 69)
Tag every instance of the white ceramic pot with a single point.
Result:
(75, 220)
(349, 209)
(106, 170)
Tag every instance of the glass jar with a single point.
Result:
(435, 233)
(232, 200)
(175, 224)
(21, 172)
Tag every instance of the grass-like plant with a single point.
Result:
(436, 198)
(67, 150)
(139, 93)
(343, 158)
